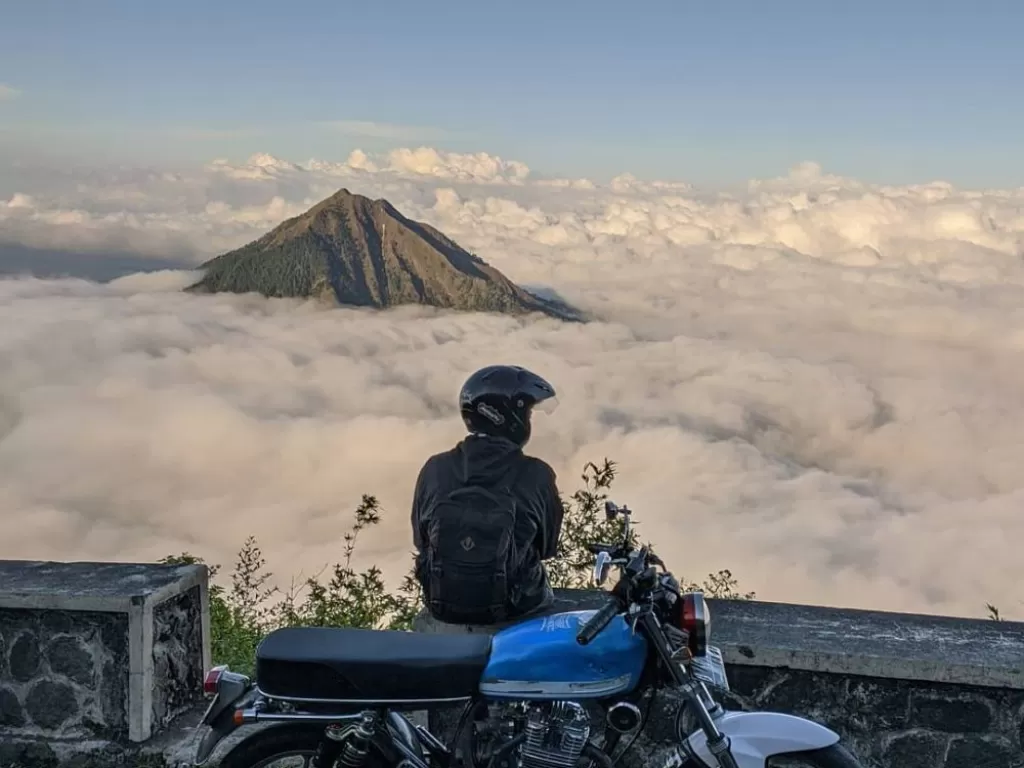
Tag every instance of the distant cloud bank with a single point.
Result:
(813, 381)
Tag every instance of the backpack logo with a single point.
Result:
(467, 543)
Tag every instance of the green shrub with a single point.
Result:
(242, 615)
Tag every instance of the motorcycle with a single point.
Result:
(529, 694)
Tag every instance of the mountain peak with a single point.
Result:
(351, 250)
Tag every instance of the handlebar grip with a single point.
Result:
(598, 622)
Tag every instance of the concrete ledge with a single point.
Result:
(99, 651)
(898, 646)
(85, 586)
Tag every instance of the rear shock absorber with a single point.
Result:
(355, 741)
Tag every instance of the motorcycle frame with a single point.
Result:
(415, 745)
(405, 745)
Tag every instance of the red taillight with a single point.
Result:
(695, 620)
(212, 681)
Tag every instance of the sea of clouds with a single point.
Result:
(813, 381)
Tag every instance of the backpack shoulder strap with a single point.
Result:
(505, 482)
(508, 480)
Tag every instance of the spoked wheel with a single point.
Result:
(278, 747)
(282, 747)
(836, 756)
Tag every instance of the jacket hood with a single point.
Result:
(483, 458)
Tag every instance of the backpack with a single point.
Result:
(472, 561)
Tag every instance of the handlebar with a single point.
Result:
(598, 622)
(641, 587)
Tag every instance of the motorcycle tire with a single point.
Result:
(278, 742)
(836, 756)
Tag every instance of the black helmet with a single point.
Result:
(498, 400)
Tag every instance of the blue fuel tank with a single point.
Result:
(540, 659)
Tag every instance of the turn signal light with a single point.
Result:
(211, 683)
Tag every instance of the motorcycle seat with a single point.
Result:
(370, 666)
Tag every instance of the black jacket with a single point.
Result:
(483, 459)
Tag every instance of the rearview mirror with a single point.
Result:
(601, 567)
(611, 510)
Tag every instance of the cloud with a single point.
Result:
(8, 92)
(478, 168)
(812, 381)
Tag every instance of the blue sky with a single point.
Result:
(906, 90)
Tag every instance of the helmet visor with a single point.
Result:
(549, 406)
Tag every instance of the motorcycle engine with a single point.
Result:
(554, 734)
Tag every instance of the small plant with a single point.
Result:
(348, 599)
(584, 523)
(242, 616)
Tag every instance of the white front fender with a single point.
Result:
(756, 736)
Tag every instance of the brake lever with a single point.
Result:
(635, 612)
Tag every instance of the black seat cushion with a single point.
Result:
(369, 665)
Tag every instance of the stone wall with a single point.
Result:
(904, 691)
(893, 722)
(97, 656)
(178, 655)
(63, 674)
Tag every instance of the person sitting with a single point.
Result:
(484, 514)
